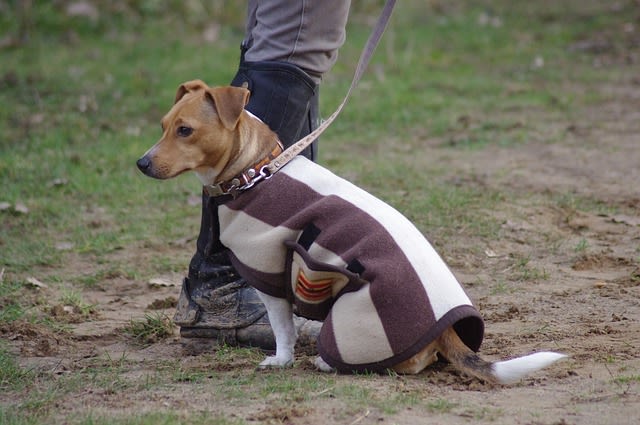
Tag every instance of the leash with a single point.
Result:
(254, 174)
(292, 151)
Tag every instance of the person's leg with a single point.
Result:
(288, 46)
(305, 33)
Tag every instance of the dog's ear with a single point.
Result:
(229, 102)
(188, 87)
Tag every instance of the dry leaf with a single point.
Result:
(211, 33)
(58, 182)
(83, 9)
(162, 282)
(538, 62)
(35, 283)
(182, 241)
(490, 253)
(64, 246)
(21, 208)
(485, 19)
(87, 103)
(36, 119)
(193, 200)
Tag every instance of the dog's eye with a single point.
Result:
(184, 131)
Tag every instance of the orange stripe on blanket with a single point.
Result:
(313, 290)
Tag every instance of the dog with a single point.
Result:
(313, 244)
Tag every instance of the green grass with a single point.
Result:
(10, 300)
(629, 379)
(153, 328)
(581, 246)
(440, 405)
(12, 376)
(158, 418)
(75, 300)
(82, 100)
(112, 377)
(525, 271)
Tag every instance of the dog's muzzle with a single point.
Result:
(144, 164)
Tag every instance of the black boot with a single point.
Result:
(284, 97)
(215, 302)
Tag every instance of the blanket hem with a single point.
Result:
(465, 319)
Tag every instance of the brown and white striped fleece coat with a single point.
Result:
(343, 256)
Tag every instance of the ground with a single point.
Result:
(587, 303)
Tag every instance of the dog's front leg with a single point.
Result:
(280, 314)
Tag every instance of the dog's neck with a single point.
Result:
(253, 142)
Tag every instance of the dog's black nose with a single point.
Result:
(143, 164)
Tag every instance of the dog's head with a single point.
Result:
(198, 133)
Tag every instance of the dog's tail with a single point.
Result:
(503, 372)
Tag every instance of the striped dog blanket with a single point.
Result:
(343, 256)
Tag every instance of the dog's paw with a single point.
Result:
(322, 366)
(276, 362)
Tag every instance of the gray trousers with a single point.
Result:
(307, 33)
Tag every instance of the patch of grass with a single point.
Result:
(574, 202)
(11, 311)
(630, 379)
(21, 302)
(398, 401)
(12, 376)
(440, 208)
(166, 264)
(440, 405)
(74, 300)
(485, 413)
(501, 287)
(101, 271)
(581, 246)
(159, 418)
(10, 415)
(526, 272)
(357, 395)
(153, 328)
(186, 375)
(283, 385)
(71, 135)
(11, 300)
(228, 354)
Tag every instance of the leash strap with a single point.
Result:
(291, 152)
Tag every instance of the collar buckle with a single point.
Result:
(246, 179)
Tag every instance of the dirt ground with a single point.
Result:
(576, 291)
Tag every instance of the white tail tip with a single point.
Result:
(511, 371)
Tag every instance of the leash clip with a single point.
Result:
(263, 174)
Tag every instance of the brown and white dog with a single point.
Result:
(314, 244)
